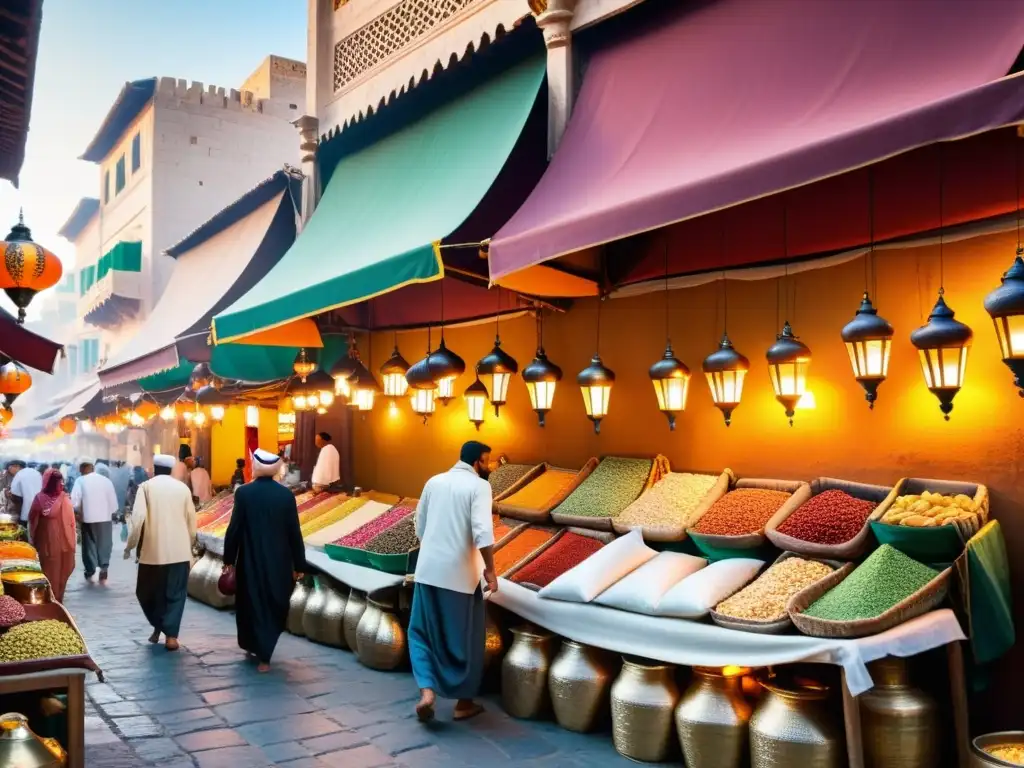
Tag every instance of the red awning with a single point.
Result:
(20, 344)
(736, 100)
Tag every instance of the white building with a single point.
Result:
(169, 154)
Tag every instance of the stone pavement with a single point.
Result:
(205, 706)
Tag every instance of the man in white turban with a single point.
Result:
(163, 526)
(264, 546)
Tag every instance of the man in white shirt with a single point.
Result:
(24, 487)
(447, 626)
(328, 464)
(163, 522)
(95, 500)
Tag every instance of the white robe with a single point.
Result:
(328, 466)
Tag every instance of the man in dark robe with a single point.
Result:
(264, 546)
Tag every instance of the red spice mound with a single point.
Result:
(831, 517)
(11, 611)
(743, 511)
(565, 554)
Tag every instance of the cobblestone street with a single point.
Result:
(205, 706)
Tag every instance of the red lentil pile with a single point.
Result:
(741, 512)
(522, 545)
(565, 554)
(831, 517)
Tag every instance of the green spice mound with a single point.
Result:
(45, 639)
(610, 488)
(883, 580)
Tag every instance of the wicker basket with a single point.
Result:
(941, 544)
(778, 626)
(848, 550)
(602, 536)
(532, 515)
(712, 544)
(659, 468)
(927, 598)
(678, 533)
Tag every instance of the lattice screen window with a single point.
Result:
(389, 33)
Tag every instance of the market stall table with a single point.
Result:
(73, 680)
(355, 576)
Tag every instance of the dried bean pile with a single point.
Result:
(327, 503)
(566, 553)
(886, 578)
(609, 489)
(11, 611)
(507, 475)
(542, 490)
(831, 517)
(765, 599)
(740, 512)
(396, 540)
(671, 503)
(360, 536)
(525, 543)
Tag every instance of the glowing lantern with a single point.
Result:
(868, 339)
(392, 375)
(725, 370)
(422, 389)
(342, 372)
(1005, 305)
(6, 414)
(27, 268)
(476, 399)
(788, 361)
(445, 367)
(595, 382)
(167, 413)
(303, 366)
(68, 425)
(199, 419)
(201, 377)
(364, 387)
(943, 343)
(147, 409)
(671, 379)
(14, 381)
(498, 366)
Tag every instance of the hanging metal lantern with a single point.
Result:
(68, 425)
(167, 413)
(201, 377)
(6, 414)
(303, 366)
(199, 420)
(27, 267)
(476, 399)
(1005, 305)
(943, 343)
(321, 386)
(595, 382)
(147, 409)
(445, 367)
(422, 388)
(342, 372)
(185, 404)
(497, 367)
(725, 370)
(392, 375)
(364, 388)
(14, 380)
(541, 377)
(214, 402)
(788, 361)
(671, 379)
(868, 339)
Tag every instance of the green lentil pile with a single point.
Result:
(609, 489)
(886, 578)
(507, 475)
(399, 539)
(45, 639)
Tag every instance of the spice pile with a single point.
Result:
(507, 475)
(886, 578)
(332, 516)
(17, 550)
(502, 527)
(741, 512)
(362, 535)
(765, 599)
(213, 512)
(45, 639)
(399, 539)
(11, 611)
(326, 502)
(11, 532)
(540, 492)
(609, 489)
(831, 517)
(524, 544)
(566, 553)
(311, 501)
(1008, 753)
(671, 503)
(929, 510)
(351, 522)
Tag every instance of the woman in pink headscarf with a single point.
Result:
(51, 525)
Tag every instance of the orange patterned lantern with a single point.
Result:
(147, 410)
(14, 380)
(68, 425)
(27, 268)
(6, 414)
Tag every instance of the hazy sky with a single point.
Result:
(88, 50)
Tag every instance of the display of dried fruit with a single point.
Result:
(928, 510)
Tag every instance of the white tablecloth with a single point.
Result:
(693, 643)
(355, 576)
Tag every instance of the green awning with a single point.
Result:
(88, 278)
(124, 257)
(169, 379)
(262, 363)
(387, 207)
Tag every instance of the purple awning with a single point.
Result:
(738, 99)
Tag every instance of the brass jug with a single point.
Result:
(644, 698)
(380, 640)
(712, 718)
(900, 723)
(197, 576)
(580, 681)
(312, 614)
(21, 748)
(794, 727)
(524, 673)
(332, 618)
(353, 613)
(297, 606)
